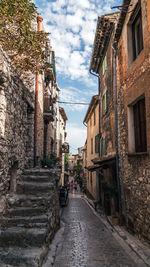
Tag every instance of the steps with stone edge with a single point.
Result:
(35, 221)
(29, 257)
(26, 223)
(34, 188)
(22, 237)
(23, 200)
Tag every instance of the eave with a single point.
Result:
(105, 26)
(121, 20)
(105, 160)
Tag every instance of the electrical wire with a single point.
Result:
(72, 103)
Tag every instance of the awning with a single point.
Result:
(105, 161)
(93, 167)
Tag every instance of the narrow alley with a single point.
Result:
(86, 242)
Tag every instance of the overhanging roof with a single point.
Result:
(105, 160)
(121, 20)
(105, 26)
(92, 104)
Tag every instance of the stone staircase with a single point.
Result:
(30, 219)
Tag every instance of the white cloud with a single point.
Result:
(73, 95)
(76, 136)
(72, 25)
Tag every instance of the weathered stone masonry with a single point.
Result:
(133, 83)
(16, 127)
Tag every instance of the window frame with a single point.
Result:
(104, 103)
(103, 146)
(104, 65)
(91, 145)
(137, 35)
(137, 130)
(132, 39)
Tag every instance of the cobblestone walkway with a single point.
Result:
(86, 241)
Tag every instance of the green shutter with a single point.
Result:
(105, 96)
(101, 147)
(101, 107)
(104, 65)
(105, 62)
(104, 145)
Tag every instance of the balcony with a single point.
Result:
(50, 73)
(48, 108)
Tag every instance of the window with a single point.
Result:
(104, 65)
(94, 118)
(140, 126)
(104, 104)
(135, 34)
(97, 143)
(137, 127)
(103, 146)
(91, 145)
(91, 177)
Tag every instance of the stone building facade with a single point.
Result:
(104, 162)
(63, 146)
(121, 60)
(133, 85)
(92, 121)
(16, 127)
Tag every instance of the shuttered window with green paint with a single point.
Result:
(104, 65)
(101, 107)
(105, 100)
(104, 145)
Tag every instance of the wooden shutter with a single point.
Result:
(91, 145)
(101, 107)
(105, 99)
(140, 126)
(104, 145)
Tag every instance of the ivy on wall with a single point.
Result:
(19, 36)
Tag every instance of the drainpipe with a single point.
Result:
(116, 128)
(39, 20)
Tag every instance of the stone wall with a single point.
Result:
(133, 82)
(16, 127)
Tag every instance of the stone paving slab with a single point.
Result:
(141, 251)
(84, 240)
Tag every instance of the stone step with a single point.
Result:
(25, 211)
(35, 178)
(40, 172)
(29, 200)
(23, 237)
(34, 188)
(41, 221)
(21, 257)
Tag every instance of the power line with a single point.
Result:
(72, 103)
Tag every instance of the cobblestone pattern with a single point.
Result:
(87, 242)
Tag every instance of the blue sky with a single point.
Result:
(72, 26)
